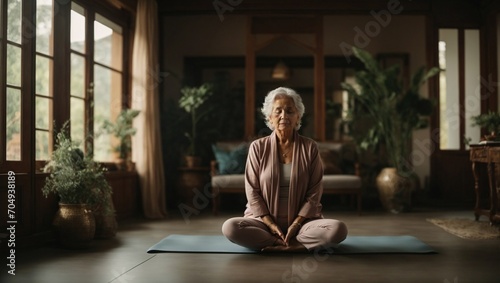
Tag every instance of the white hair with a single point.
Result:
(281, 92)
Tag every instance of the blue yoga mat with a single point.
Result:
(351, 245)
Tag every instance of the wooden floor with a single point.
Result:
(124, 258)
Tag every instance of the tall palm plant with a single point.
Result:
(389, 110)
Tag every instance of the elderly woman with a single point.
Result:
(283, 185)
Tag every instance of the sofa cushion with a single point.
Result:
(341, 182)
(229, 181)
(231, 160)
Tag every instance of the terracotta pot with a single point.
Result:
(121, 164)
(394, 190)
(491, 137)
(74, 225)
(192, 161)
(130, 166)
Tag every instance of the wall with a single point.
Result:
(206, 35)
(198, 36)
(399, 34)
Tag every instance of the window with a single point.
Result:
(458, 100)
(108, 73)
(96, 92)
(78, 93)
(13, 90)
(44, 79)
(59, 61)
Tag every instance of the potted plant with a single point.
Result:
(82, 189)
(489, 121)
(389, 112)
(190, 101)
(123, 130)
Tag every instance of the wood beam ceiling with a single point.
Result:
(253, 7)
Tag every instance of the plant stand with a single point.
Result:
(192, 184)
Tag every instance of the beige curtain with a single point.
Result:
(147, 147)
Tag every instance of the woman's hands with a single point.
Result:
(292, 232)
(284, 243)
(293, 229)
(274, 228)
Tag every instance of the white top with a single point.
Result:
(285, 172)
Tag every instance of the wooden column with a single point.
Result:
(250, 82)
(319, 83)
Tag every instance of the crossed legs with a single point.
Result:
(254, 234)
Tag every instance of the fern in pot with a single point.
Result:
(83, 191)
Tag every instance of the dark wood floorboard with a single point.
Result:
(124, 258)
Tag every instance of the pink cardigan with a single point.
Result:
(262, 179)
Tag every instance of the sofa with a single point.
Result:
(341, 171)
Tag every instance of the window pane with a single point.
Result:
(77, 119)
(77, 75)
(43, 76)
(42, 113)
(102, 147)
(472, 84)
(13, 65)
(77, 28)
(43, 128)
(103, 92)
(42, 145)
(449, 92)
(13, 124)
(14, 18)
(107, 43)
(44, 30)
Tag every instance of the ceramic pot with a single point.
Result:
(394, 190)
(192, 161)
(74, 225)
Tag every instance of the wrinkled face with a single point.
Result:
(285, 115)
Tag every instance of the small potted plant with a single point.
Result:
(190, 101)
(83, 191)
(489, 121)
(123, 130)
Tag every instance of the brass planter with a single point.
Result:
(74, 225)
(394, 190)
(106, 225)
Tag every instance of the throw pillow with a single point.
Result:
(231, 161)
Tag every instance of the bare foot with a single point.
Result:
(293, 247)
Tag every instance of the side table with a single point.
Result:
(488, 154)
(190, 180)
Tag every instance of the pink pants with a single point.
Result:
(254, 234)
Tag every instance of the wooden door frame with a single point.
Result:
(488, 92)
(280, 27)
